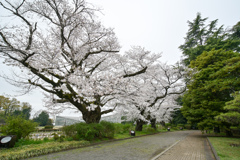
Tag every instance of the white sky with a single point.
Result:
(158, 25)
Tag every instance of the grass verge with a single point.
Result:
(226, 148)
(41, 147)
(32, 150)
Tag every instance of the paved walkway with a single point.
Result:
(139, 148)
(180, 145)
(194, 147)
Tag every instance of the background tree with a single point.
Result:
(147, 93)
(8, 106)
(177, 117)
(63, 49)
(24, 110)
(232, 115)
(43, 119)
(215, 78)
(205, 37)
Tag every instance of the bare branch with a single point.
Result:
(136, 73)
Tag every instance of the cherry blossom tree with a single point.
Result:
(62, 48)
(151, 95)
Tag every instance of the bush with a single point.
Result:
(118, 128)
(18, 126)
(83, 131)
(48, 127)
(180, 125)
(127, 127)
(108, 129)
(150, 129)
(168, 125)
(70, 130)
(188, 126)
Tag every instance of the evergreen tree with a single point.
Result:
(205, 37)
(215, 77)
(232, 115)
(43, 119)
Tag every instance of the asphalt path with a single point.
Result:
(138, 148)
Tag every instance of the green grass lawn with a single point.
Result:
(223, 147)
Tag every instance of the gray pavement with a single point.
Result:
(139, 148)
(194, 147)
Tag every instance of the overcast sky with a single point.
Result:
(158, 25)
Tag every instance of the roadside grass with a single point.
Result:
(226, 148)
(26, 148)
(31, 150)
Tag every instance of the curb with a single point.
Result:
(213, 150)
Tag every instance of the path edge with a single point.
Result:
(157, 156)
(213, 150)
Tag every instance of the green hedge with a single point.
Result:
(89, 132)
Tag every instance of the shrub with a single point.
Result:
(83, 131)
(168, 125)
(48, 127)
(55, 136)
(118, 128)
(127, 127)
(70, 130)
(18, 126)
(150, 130)
(180, 125)
(108, 129)
(188, 126)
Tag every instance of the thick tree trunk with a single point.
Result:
(153, 123)
(139, 125)
(92, 116)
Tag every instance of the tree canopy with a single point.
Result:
(8, 105)
(43, 119)
(215, 78)
(205, 37)
(151, 95)
(212, 53)
(232, 115)
(13, 107)
(62, 48)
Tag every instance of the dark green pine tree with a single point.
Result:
(205, 37)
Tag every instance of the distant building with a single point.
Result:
(115, 118)
(67, 120)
